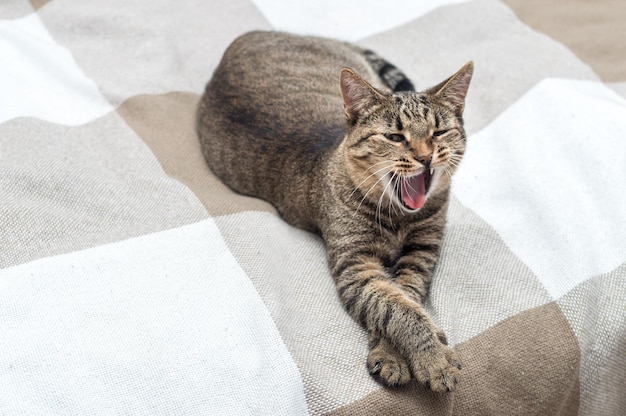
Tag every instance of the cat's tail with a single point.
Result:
(395, 79)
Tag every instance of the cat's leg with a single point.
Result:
(386, 363)
(372, 297)
(416, 287)
(415, 267)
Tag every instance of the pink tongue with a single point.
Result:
(413, 191)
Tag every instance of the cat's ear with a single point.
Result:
(357, 93)
(454, 89)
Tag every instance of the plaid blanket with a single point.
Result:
(133, 282)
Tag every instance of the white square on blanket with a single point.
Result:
(162, 324)
(549, 175)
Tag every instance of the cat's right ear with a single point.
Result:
(357, 93)
(454, 89)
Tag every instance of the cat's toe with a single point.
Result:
(443, 380)
(453, 358)
(437, 368)
(391, 370)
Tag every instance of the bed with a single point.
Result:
(133, 282)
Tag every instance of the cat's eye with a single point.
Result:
(398, 138)
(439, 133)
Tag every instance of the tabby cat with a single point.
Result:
(362, 160)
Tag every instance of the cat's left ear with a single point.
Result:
(357, 94)
(454, 89)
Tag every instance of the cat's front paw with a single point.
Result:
(386, 364)
(437, 367)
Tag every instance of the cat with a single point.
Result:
(337, 139)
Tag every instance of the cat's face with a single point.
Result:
(403, 148)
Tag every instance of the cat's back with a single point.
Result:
(274, 105)
(285, 75)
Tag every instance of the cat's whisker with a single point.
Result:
(394, 191)
(377, 212)
(389, 166)
(380, 201)
(456, 157)
(408, 184)
(370, 190)
(389, 163)
(393, 194)
(376, 164)
(377, 216)
(452, 164)
(454, 161)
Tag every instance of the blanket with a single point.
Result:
(133, 282)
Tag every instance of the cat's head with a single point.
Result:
(402, 148)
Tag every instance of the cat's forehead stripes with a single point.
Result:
(415, 115)
(413, 106)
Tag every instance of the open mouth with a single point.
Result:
(413, 189)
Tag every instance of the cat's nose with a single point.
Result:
(425, 159)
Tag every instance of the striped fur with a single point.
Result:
(271, 125)
(395, 79)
